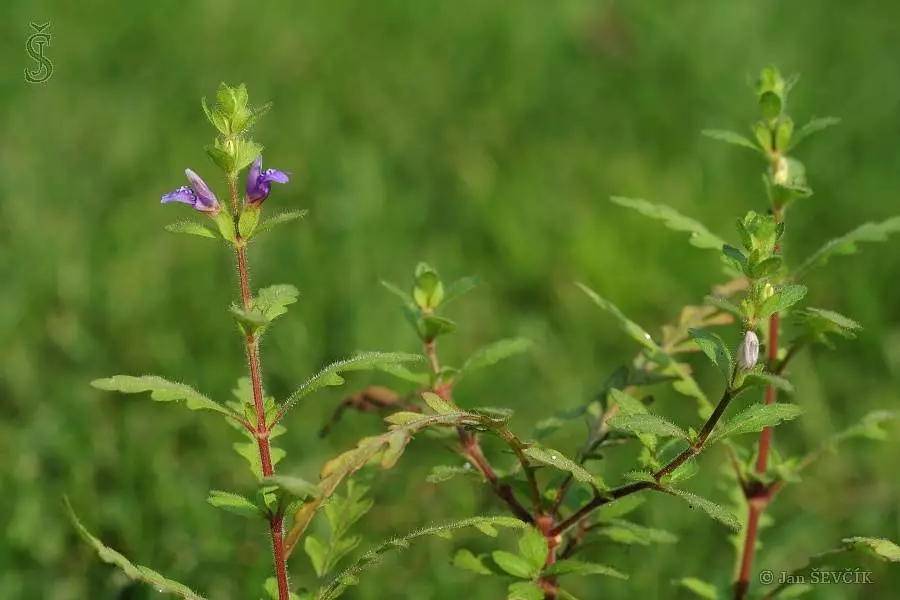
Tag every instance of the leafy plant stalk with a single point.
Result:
(261, 430)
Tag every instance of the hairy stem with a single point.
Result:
(261, 430)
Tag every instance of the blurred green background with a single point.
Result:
(483, 136)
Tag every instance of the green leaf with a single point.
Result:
(234, 503)
(755, 418)
(715, 349)
(330, 375)
(248, 221)
(249, 321)
(576, 567)
(406, 298)
(349, 576)
(272, 301)
(192, 228)
(514, 564)
(524, 590)
(339, 468)
(700, 588)
(785, 297)
(533, 547)
(279, 219)
(554, 458)
(464, 559)
(635, 331)
(730, 137)
(700, 237)
(646, 423)
(817, 324)
(813, 126)
(317, 551)
(757, 379)
(458, 288)
(770, 105)
(495, 352)
(847, 244)
(134, 572)
(626, 532)
(619, 508)
(629, 406)
(711, 508)
(160, 390)
(881, 548)
(438, 404)
(294, 486)
(271, 588)
(432, 327)
(851, 548)
(402, 372)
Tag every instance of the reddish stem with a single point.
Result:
(261, 431)
(757, 502)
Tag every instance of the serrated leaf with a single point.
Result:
(533, 547)
(279, 219)
(330, 375)
(555, 458)
(464, 559)
(700, 237)
(709, 507)
(785, 297)
(813, 126)
(576, 567)
(192, 228)
(700, 588)
(272, 301)
(755, 418)
(234, 503)
(646, 423)
(524, 590)
(847, 244)
(160, 390)
(132, 571)
(730, 137)
(495, 352)
(514, 565)
(628, 406)
(715, 349)
(349, 576)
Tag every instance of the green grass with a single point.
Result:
(482, 136)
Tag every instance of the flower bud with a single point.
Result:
(748, 353)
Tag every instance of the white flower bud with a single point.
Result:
(748, 353)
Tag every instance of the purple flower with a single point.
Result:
(259, 182)
(197, 194)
